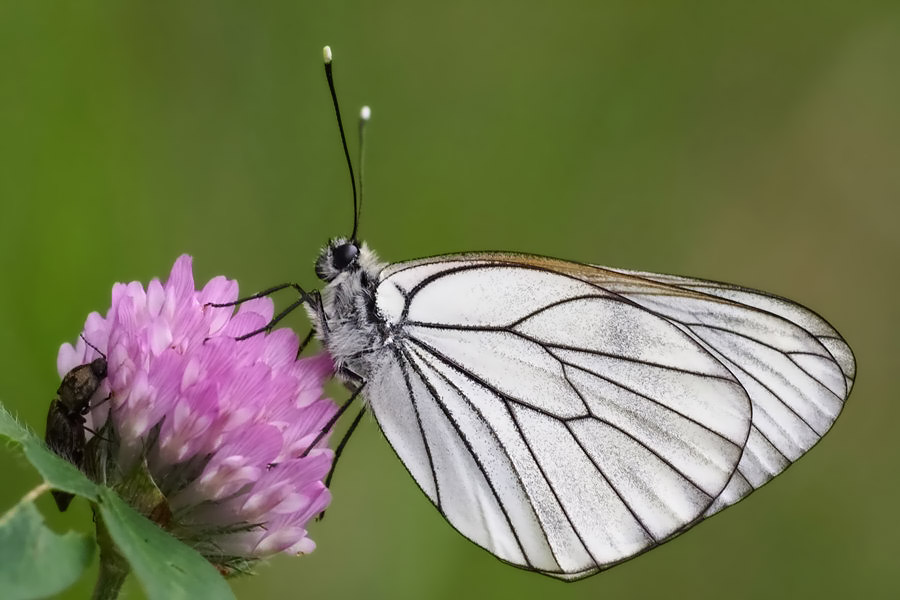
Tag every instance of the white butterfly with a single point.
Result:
(566, 417)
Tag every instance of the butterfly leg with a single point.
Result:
(316, 304)
(304, 297)
(271, 324)
(327, 427)
(305, 342)
(314, 299)
(262, 294)
(339, 450)
(330, 424)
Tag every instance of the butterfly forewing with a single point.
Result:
(567, 417)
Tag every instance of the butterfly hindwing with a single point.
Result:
(794, 364)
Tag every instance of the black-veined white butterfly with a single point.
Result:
(565, 416)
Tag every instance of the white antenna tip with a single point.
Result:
(366, 113)
(326, 54)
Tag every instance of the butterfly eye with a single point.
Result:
(344, 255)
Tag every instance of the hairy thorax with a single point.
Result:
(347, 322)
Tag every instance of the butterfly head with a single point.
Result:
(338, 256)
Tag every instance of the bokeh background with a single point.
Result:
(757, 143)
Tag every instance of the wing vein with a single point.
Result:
(771, 443)
(759, 381)
(470, 450)
(547, 307)
(609, 482)
(458, 367)
(506, 401)
(535, 340)
(827, 356)
(646, 397)
(412, 400)
(777, 397)
(543, 473)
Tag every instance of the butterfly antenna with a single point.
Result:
(326, 53)
(364, 115)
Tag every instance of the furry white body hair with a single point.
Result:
(346, 320)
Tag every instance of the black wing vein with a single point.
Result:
(830, 357)
(468, 445)
(563, 363)
(412, 400)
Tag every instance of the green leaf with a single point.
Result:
(58, 473)
(165, 568)
(10, 427)
(36, 562)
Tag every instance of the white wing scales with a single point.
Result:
(795, 366)
(567, 417)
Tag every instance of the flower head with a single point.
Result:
(221, 426)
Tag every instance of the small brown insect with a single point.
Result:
(65, 418)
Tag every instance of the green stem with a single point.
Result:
(113, 567)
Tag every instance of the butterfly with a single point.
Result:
(565, 416)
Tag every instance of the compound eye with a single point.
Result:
(344, 255)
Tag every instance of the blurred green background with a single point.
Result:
(757, 143)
